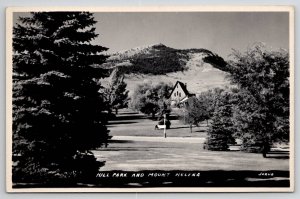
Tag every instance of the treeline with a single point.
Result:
(256, 110)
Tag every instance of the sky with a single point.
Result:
(219, 32)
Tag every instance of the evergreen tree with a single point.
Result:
(220, 132)
(57, 109)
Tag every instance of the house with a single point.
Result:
(180, 94)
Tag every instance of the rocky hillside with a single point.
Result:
(201, 69)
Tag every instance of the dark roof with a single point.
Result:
(183, 86)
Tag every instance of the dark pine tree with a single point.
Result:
(220, 133)
(57, 110)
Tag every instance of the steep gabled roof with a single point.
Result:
(183, 86)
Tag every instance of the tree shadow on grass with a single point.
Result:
(180, 127)
(128, 113)
(201, 131)
(173, 117)
(124, 149)
(129, 117)
(278, 156)
(121, 122)
(131, 148)
(120, 141)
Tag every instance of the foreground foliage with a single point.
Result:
(57, 109)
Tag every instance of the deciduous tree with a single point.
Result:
(116, 93)
(262, 116)
(151, 98)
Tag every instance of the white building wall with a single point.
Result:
(177, 94)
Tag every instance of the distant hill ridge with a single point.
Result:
(159, 59)
(200, 68)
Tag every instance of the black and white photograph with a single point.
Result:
(170, 99)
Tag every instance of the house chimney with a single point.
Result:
(185, 85)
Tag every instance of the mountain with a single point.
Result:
(201, 69)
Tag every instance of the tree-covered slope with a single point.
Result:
(201, 69)
(159, 59)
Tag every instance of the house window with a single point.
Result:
(175, 94)
(179, 94)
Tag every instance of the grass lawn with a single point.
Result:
(129, 123)
(137, 146)
(131, 155)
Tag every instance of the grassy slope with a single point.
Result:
(199, 68)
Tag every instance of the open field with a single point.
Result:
(177, 161)
(137, 146)
(130, 123)
(133, 155)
